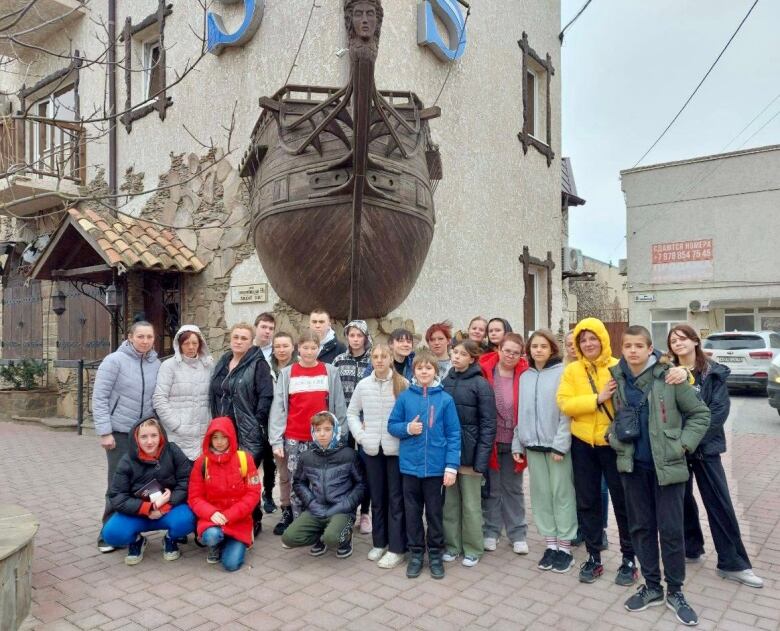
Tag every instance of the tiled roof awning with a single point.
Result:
(569, 195)
(95, 242)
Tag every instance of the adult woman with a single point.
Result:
(585, 395)
(704, 464)
(438, 338)
(124, 385)
(149, 492)
(476, 408)
(283, 353)
(543, 438)
(504, 508)
(181, 396)
(241, 389)
(497, 328)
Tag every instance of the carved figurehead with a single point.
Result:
(363, 19)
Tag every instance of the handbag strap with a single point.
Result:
(600, 406)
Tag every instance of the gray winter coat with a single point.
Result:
(123, 389)
(541, 426)
(277, 422)
(181, 397)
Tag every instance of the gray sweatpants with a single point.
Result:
(505, 507)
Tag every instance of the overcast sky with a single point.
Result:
(629, 65)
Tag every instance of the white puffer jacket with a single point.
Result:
(181, 397)
(375, 399)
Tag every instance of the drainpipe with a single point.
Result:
(112, 167)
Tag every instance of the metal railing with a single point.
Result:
(44, 147)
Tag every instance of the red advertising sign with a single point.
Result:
(682, 261)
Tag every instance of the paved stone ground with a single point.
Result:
(60, 477)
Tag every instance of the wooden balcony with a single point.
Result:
(36, 25)
(42, 163)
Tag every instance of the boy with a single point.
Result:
(329, 483)
(653, 471)
(353, 365)
(265, 324)
(425, 420)
(319, 321)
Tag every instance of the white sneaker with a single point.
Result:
(391, 560)
(449, 557)
(490, 543)
(374, 554)
(746, 577)
(469, 561)
(520, 547)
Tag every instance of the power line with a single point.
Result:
(573, 20)
(704, 78)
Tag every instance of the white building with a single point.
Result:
(171, 155)
(703, 238)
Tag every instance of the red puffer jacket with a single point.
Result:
(224, 489)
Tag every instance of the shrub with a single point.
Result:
(23, 375)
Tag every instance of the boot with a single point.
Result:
(286, 520)
(436, 563)
(415, 565)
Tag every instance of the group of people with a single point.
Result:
(424, 450)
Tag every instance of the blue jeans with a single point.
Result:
(233, 550)
(122, 530)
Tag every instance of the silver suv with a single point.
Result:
(748, 354)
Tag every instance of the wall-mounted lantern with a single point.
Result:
(58, 301)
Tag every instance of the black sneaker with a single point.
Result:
(135, 551)
(285, 521)
(170, 549)
(257, 528)
(627, 573)
(269, 506)
(213, 555)
(645, 597)
(562, 562)
(684, 612)
(318, 549)
(546, 562)
(590, 570)
(345, 549)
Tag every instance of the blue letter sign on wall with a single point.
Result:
(217, 39)
(428, 34)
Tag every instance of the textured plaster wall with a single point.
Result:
(493, 199)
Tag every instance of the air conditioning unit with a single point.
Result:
(696, 306)
(573, 262)
(623, 267)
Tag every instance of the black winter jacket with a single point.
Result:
(329, 481)
(476, 405)
(171, 470)
(715, 394)
(330, 350)
(244, 395)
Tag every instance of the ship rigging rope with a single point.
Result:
(314, 5)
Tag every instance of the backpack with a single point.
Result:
(241, 461)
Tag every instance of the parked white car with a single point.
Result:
(748, 354)
(773, 387)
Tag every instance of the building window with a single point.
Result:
(739, 320)
(537, 125)
(663, 321)
(533, 301)
(154, 77)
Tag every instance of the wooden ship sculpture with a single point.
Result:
(341, 186)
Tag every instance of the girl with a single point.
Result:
(425, 420)
(543, 437)
(438, 338)
(302, 389)
(477, 332)
(476, 408)
(704, 464)
(242, 389)
(504, 508)
(124, 385)
(497, 328)
(181, 396)
(283, 353)
(401, 342)
(367, 416)
(149, 492)
(224, 489)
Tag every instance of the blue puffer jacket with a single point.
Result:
(438, 447)
(124, 386)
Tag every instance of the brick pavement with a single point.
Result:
(60, 477)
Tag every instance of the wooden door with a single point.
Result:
(85, 327)
(22, 319)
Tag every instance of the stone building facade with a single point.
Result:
(177, 155)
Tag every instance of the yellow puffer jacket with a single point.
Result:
(576, 398)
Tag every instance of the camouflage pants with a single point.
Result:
(292, 453)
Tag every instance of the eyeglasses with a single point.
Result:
(509, 353)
